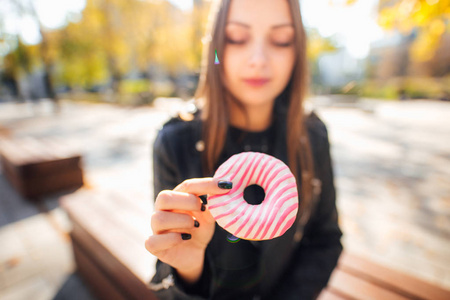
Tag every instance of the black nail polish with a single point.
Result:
(203, 208)
(186, 236)
(203, 198)
(196, 223)
(226, 185)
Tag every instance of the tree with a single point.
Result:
(428, 19)
(316, 47)
(22, 58)
(20, 63)
(111, 39)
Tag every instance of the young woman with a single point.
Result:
(251, 101)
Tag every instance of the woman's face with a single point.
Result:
(259, 52)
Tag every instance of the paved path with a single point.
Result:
(393, 180)
(392, 165)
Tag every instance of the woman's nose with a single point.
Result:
(258, 54)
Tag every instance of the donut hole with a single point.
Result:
(254, 194)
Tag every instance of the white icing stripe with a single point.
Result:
(225, 170)
(292, 215)
(274, 225)
(277, 201)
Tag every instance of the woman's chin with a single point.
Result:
(257, 99)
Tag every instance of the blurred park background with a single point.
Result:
(130, 52)
(103, 75)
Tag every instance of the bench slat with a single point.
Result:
(34, 149)
(100, 285)
(122, 256)
(44, 168)
(133, 217)
(37, 167)
(9, 150)
(118, 271)
(391, 279)
(343, 283)
(60, 149)
(44, 185)
(129, 217)
(133, 231)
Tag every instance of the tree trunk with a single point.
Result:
(48, 66)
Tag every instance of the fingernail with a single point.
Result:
(203, 198)
(196, 223)
(186, 236)
(203, 208)
(226, 185)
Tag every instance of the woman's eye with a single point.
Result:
(235, 42)
(283, 44)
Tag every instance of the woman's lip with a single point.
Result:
(256, 82)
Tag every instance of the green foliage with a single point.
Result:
(383, 90)
(134, 86)
(409, 87)
(162, 89)
(351, 88)
(22, 60)
(426, 88)
(316, 47)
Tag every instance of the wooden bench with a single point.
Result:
(358, 278)
(36, 167)
(108, 238)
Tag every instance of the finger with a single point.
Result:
(160, 242)
(203, 186)
(170, 200)
(164, 220)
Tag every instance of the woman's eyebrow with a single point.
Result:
(238, 23)
(282, 25)
(248, 26)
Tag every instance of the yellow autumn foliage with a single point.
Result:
(317, 45)
(115, 37)
(430, 19)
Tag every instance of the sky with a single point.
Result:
(353, 27)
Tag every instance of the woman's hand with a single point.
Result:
(183, 227)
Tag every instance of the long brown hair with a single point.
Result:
(212, 96)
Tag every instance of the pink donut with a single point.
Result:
(264, 221)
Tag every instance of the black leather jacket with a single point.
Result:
(293, 266)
